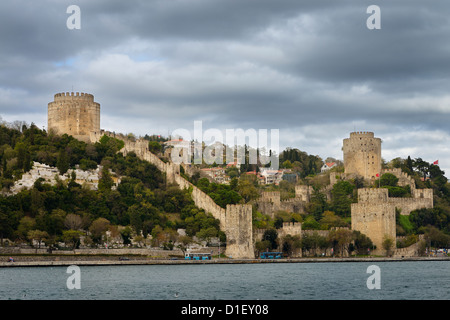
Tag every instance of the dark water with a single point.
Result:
(427, 280)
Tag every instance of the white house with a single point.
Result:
(327, 166)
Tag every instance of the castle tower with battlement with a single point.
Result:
(362, 155)
(75, 114)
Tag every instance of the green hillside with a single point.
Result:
(142, 203)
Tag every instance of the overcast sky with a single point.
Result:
(311, 69)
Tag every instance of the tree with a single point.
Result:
(154, 146)
(262, 246)
(105, 182)
(388, 179)
(170, 237)
(73, 221)
(135, 212)
(330, 220)
(421, 166)
(37, 200)
(125, 233)
(341, 239)
(232, 172)
(98, 228)
(438, 178)
(312, 241)
(409, 164)
(318, 203)
(388, 244)
(53, 223)
(271, 235)
(72, 238)
(184, 242)
(310, 223)
(26, 225)
(6, 225)
(157, 235)
(247, 189)
(435, 238)
(341, 200)
(206, 234)
(290, 244)
(362, 243)
(287, 164)
(37, 235)
(62, 162)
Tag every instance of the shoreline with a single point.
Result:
(103, 262)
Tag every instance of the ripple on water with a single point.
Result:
(331, 281)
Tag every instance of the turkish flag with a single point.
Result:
(436, 162)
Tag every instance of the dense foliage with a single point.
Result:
(303, 163)
(142, 201)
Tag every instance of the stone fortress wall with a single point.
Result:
(270, 201)
(75, 114)
(235, 220)
(374, 213)
(421, 198)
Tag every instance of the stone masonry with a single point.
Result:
(270, 201)
(74, 114)
(362, 155)
(374, 214)
(235, 220)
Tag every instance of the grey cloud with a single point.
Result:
(309, 68)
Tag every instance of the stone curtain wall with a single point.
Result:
(270, 201)
(374, 214)
(407, 205)
(375, 220)
(235, 220)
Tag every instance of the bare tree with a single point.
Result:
(73, 221)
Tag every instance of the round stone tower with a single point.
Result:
(362, 155)
(74, 114)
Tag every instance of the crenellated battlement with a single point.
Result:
(64, 96)
(235, 220)
(398, 173)
(292, 228)
(291, 224)
(404, 179)
(362, 155)
(373, 195)
(423, 194)
(366, 134)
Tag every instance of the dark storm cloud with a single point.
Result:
(309, 68)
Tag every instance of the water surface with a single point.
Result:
(427, 280)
